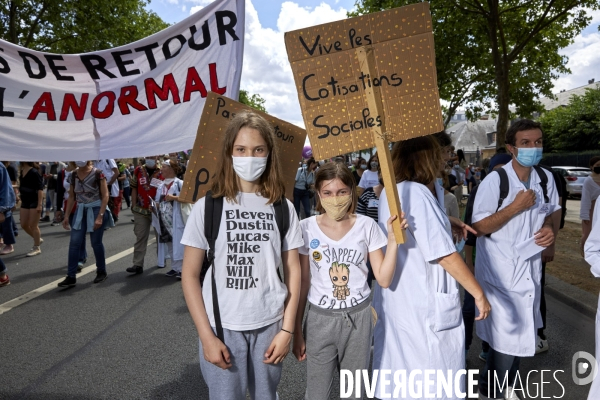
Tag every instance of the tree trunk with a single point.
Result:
(503, 112)
(502, 67)
(12, 23)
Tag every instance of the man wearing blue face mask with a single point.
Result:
(513, 214)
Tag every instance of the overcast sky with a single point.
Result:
(267, 70)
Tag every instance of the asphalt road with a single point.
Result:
(131, 337)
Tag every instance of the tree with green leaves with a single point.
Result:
(76, 26)
(503, 52)
(254, 101)
(574, 127)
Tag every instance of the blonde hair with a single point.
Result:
(225, 183)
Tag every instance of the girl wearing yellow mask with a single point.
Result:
(337, 244)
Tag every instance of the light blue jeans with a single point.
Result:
(78, 240)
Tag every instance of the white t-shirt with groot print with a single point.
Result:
(338, 269)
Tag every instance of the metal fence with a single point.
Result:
(568, 160)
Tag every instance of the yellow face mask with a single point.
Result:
(336, 207)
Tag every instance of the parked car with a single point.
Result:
(574, 177)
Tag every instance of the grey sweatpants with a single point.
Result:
(336, 340)
(248, 371)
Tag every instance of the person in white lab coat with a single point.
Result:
(592, 256)
(509, 276)
(420, 324)
(169, 191)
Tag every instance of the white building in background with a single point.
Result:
(564, 97)
(476, 139)
(459, 116)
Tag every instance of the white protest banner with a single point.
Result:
(142, 99)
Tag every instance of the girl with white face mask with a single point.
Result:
(337, 245)
(257, 310)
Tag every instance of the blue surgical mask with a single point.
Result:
(460, 245)
(529, 156)
(440, 181)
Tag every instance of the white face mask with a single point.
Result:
(249, 168)
(169, 180)
(81, 164)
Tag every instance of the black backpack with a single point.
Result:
(213, 211)
(504, 190)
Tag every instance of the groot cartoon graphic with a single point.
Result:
(339, 275)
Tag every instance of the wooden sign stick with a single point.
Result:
(366, 60)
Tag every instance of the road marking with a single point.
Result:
(9, 305)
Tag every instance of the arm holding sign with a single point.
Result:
(384, 266)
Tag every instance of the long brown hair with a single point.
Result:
(417, 160)
(225, 179)
(336, 170)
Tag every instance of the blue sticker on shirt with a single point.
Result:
(314, 243)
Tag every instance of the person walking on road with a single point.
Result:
(144, 182)
(167, 199)
(111, 172)
(87, 188)
(31, 192)
(508, 265)
(305, 178)
(7, 202)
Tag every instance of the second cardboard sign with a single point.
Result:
(217, 113)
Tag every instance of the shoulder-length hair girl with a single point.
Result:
(332, 171)
(417, 160)
(225, 182)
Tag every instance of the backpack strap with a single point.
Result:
(282, 218)
(543, 182)
(213, 209)
(504, 187)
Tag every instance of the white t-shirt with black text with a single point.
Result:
(338, 269)
(247, 255)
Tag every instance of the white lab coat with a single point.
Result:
(511, 284)
(178, 224)
(420, 324)
(592, 256)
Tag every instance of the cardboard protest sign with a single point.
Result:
(331, 83)
(217, 113)
(140, 99)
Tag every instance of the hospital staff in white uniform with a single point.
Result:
(592, 256)
(420, 324)
(509, 278)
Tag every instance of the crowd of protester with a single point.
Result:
(339, 208)
(86, 197)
